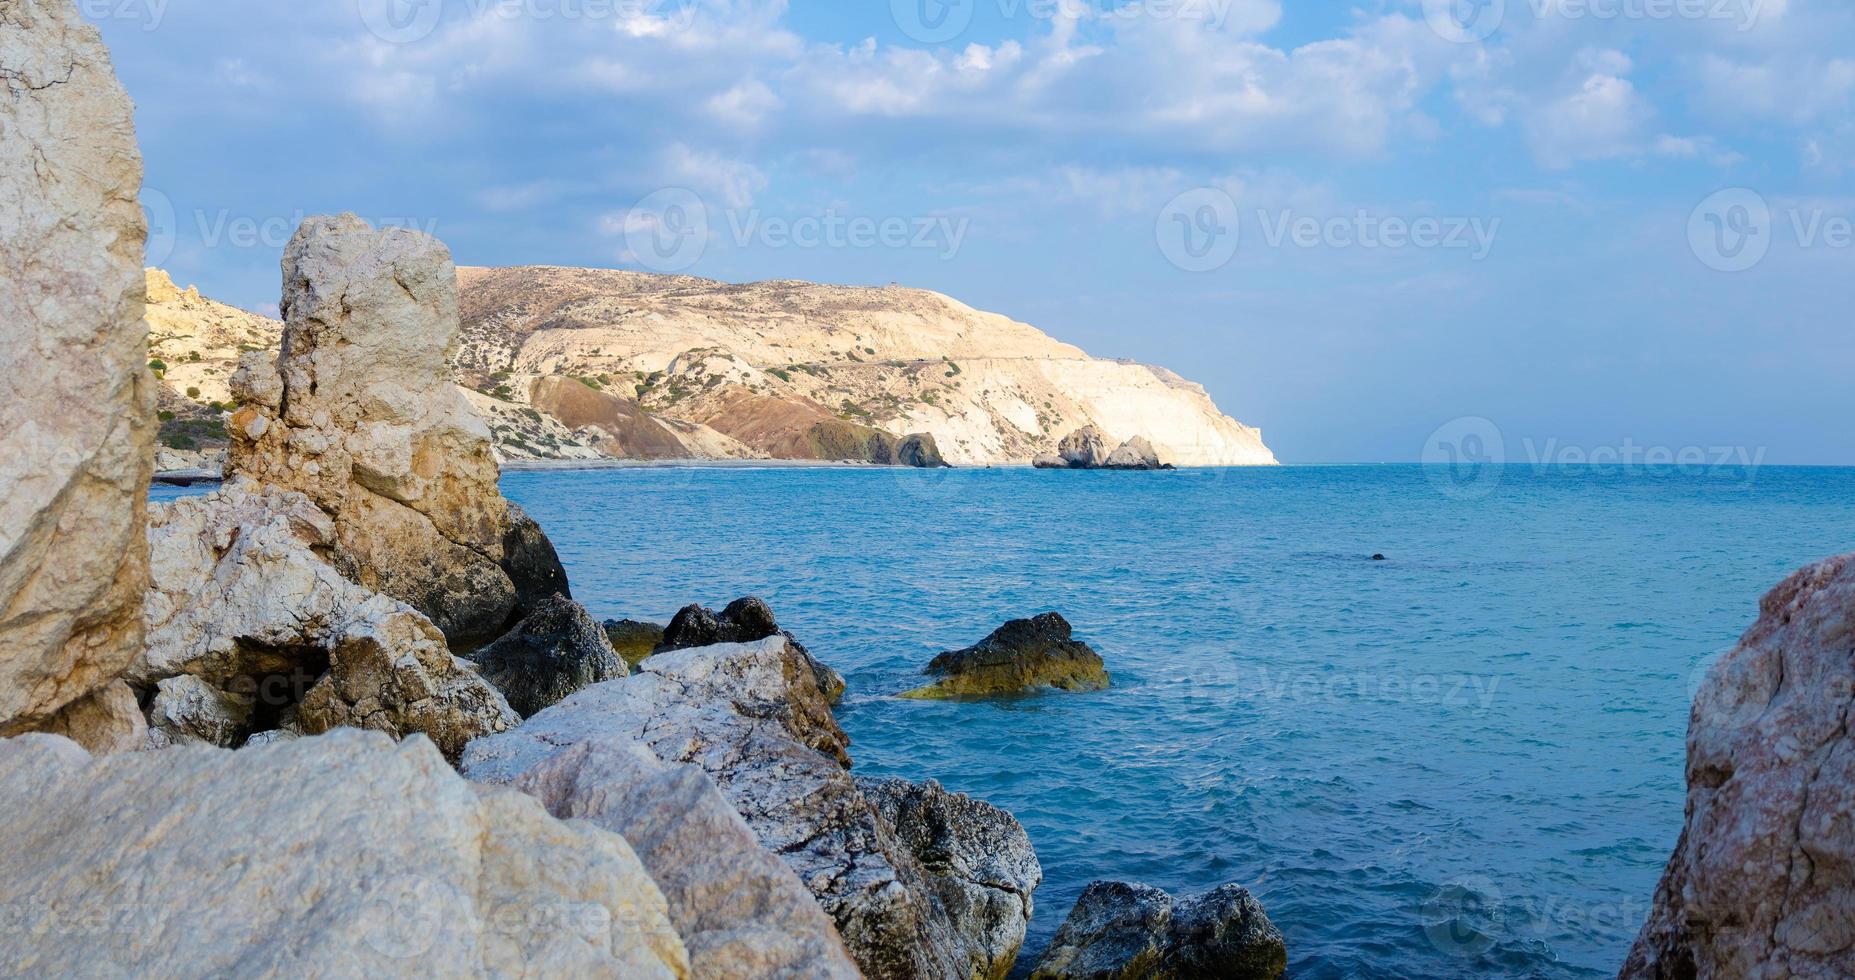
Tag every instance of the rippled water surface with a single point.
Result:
(1465, 760)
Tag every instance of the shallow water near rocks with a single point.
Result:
(1463, 761)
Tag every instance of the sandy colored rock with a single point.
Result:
(978, 860)
(741, 912)
(764, 362)
(1084, 449)
(110, 720)
(76, 398)
(754, 718)
(1762, 882)
(187, 709)
(344, 855)
(367, 425)
(243, 600)
(1134, 454)
(1019, 657)
(626, 431)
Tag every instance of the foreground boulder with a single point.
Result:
(76, 399)
(244, 603)
(756, 718)
(1135, 932)
(557, 650)
(358, 413)
(741, 912)
(978, 860)
(338, 856)
(1021, 656)
(1762, 882)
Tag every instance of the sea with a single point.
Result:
(1464, 759)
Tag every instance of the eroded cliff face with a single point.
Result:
(762, 363)
(76, 399)
(1762, 883)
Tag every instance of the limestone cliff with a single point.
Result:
(591, 364)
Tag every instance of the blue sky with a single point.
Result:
(1353, 223)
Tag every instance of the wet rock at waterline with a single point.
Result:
(1022, 656)
(743, 621)
(557, 650)
(1136, 932)
(633, 640)
(979, 863)
(1762, 882)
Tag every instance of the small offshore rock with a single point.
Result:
(556, 651)
(1135, 454)
(1084, 449)
(1378, 558)
(1021, 656)
(633, 640)
(1050, 461)
(1136, 932)
(920, 450)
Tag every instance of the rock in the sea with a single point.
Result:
(1050, 461)
(1084, 449)
(76, 399)
(1134, 932)
(529, 559)
(978, 860)
(920, 450)
(360, 416)
(741, 912)
(1021, 656)
(1134, 454)
(755, 719)
(557, 650)
(1762, 883)
(337, 856)
(243, 600)
(633, 640)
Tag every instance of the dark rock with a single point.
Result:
(920, 450)
(1378, 558)
(1050, 461)
(555, 652)
(1022, 655)
(633, 640)
(743, 621)
(1135, 454)
(1135, 932)
(978, 861)
(529, 559)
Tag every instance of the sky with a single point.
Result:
(1570, 228)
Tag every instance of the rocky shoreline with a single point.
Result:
(342, 713)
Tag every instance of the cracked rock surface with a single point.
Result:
(1762, 882)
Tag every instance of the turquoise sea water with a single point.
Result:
(1463, 761)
